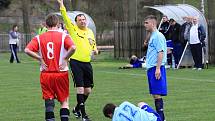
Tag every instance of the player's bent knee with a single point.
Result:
(156, 96)
(65, 104)
(87, 91)
(141, 104)
(49, 105)
(80, 90)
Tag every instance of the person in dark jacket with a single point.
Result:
(164, 29)
(174, 36)
(184, 31)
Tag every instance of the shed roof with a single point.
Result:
(180, 10)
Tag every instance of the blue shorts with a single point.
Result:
(169, 44)
(137, 65)
(151, 110)
(157, 87)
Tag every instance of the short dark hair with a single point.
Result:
(150, 17)
(165, 16)
(109, 109)
(52, 20)
(79, 15)
(14, 26)
(171, 20)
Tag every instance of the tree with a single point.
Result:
(74, 4)
(4, 3)
(25, 16)
(68, 5)
(211, 12)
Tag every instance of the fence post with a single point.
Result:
(128, 38)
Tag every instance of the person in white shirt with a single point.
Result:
(197, 41)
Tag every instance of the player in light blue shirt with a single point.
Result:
(155, 62)
(129, 112)
(156, 44)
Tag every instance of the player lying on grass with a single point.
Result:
(135, 62)
(129, 112)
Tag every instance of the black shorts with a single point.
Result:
(82, 73)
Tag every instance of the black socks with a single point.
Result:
(64, 114)
(80, 106)
(159, 108)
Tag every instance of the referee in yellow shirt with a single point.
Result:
(82, 71)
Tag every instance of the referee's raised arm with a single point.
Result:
(69, 25)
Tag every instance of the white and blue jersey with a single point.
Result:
(156, 44)
(129, 112)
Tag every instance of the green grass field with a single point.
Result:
(190, 98)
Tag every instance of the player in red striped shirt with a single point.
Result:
(52, 49)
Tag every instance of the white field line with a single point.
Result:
(132, 74)
(25, 62)
(171, 77)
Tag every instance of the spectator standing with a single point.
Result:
(164, 29)
(185, 30)
(155, 63)
(13, 42)
(42, 28)
(174, 36)
(53, 49)
(197, 41)
(61, 28)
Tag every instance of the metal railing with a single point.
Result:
(23, 41)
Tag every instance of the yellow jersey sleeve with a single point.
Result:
(71, 28)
